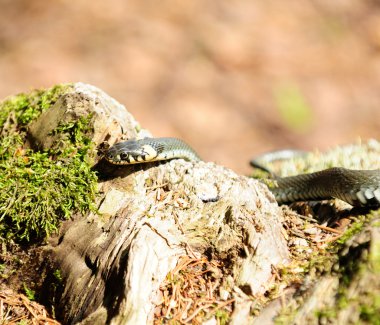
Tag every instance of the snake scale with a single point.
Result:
(356, 187)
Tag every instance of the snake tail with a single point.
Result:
(261, 161)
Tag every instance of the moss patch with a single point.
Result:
(370, 311)
(21, 109)
(39, 189)
(362, 155)
(349, 260)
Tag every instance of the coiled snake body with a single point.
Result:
(356, 187)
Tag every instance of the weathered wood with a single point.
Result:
(113, 262)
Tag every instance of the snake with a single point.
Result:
(359, 188)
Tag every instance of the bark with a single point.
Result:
(150, 215)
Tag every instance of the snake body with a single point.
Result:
(356, 187)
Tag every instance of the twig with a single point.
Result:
(329, 229)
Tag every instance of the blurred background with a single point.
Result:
(233, 78)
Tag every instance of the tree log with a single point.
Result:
(151, 215)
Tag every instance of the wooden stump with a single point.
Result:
(150, 216)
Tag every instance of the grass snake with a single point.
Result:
(356, 187)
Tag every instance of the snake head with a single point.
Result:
(130, 152)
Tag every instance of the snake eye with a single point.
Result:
(123, 156)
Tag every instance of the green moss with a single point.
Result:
(356, 156)
(58, 275)
(23, 322)
(371, 312)
(222, 316)
(374, 255)
(31, 294)
(39, 189)
(350, 257)
(327, 313)
(354, 229)
(346, 261)
(26, 107)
